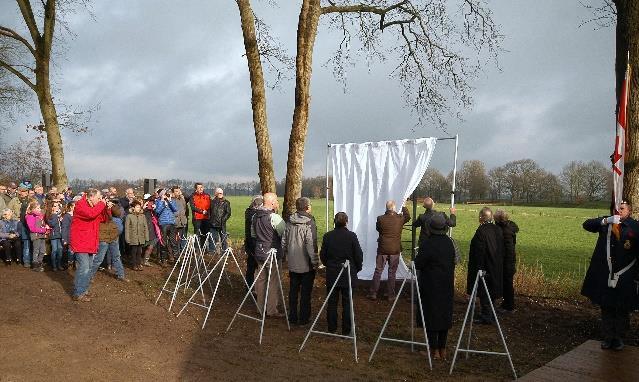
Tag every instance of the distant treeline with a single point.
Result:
(520, 181)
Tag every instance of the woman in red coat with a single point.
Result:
(84, 240)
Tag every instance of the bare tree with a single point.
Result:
(261, 46)
(573, 179)
(595, 180)
(24, 159)
(28, 59)
(430, 43)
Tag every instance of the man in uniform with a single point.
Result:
(611, 280)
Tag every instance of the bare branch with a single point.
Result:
(603, 16)
(15, 72)
(29, 19)
(4, 31)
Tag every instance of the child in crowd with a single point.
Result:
(136, 233)
(10, 242)
(155, 234)
(53, 218)
(67, 218)
(38, 228)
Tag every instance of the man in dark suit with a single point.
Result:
(338, 246)
(486, 254)
(423, 220)
(389, 247)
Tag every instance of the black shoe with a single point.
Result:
(616, 344)
(302, 322)
(606, 344)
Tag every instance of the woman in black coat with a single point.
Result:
(436, 262)
(509, 230)
(616, 302)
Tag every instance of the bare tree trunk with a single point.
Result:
(258, 98)
(51, 128)
(627, 36)
(306, 33)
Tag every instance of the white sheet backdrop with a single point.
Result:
(366, 175)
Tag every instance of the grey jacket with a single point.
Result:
(299, 243)
(180, 215)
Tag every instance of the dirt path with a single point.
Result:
(121, 335)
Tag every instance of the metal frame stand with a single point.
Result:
(191, 264)
(471, 310)
(346, 266)
(271, 261)
(222, 261)
(414, 284)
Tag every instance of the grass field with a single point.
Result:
(550, 238)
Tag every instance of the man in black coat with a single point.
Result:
(249, 241)
(509, 230)
(219, 213)
(338, 246)
(486, 254)
(423, 220)
(612, 284)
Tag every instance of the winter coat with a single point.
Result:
(390, 226)
(299, 243)
(181, 213)
(200, 203)
(249, 241)
(3, 204)
(85, 226)
(487, 254)
(137, 230)
(37, 225)
(6, 198)
(152, 223)
(19, 207)
(165, 211)
(338, 246)
(65, 225)
(108, 231)
(8, 227)
(509, 229)
(219, 213)
(268, 228)
(436, 263)
(423, 221)
(56, 226)
(622, 253)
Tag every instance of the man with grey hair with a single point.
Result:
(299, 248)
(389, 247)
(267, 229)
(486, 254)
(220, 212)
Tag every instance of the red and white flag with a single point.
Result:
(620, 144)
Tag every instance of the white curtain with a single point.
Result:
(366, 175)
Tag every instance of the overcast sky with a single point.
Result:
(174, 93)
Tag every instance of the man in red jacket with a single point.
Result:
(84, 240)
(200, 203)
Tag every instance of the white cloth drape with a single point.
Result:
(366, 175)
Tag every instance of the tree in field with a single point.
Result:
(28, 160)
(573, 179)
(259, 46)
(435, 185)
(497, 181)
(472, 180)
(28, 59)
(429, 41)
(597, 178)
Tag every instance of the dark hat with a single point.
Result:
(438, 225)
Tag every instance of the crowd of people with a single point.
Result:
(92, 229)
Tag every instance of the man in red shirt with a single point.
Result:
(84, 240)
(200, 203)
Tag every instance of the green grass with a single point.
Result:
(550, 238)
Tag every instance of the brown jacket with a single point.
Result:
(108, 229)
(390, 227)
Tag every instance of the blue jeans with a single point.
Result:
(83, 272)
(26, 245)
(112, 250)
(56, 253)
